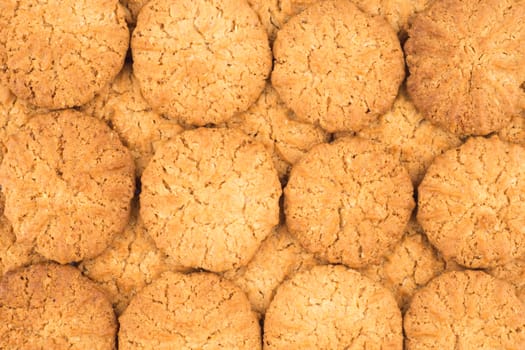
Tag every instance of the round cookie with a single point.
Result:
(210, 197)
(408, 266)
(121, 105)
(512, 272)
(195, 311)
(49, 306)
(468, 80)
(279, 257)
(332, 307)
(131, 262)
(200, 61)
(270, 122)
(470, 203)
(515, 130)
(68, 183)
(465, 310)
(333, 61)
(348, 202)
(60, 53)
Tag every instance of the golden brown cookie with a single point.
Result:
(200, 61)
(195, 311)
(68, 183)
(332, 307)
(210, 197)
(270, 122)
(336, 66)
(471, 204)
(512, 272)
(408, 266)
(279, 257)
(49, 306)
(349, 201)
(60, 53)
(131, 262)
(134, 7)
(467, 64)
(515, 130)
(121, 105)
(465, 310)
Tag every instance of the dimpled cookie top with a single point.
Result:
(471, 203)
(68, 183)
(467, 63)
(200, 61)
(60, 53)
(336, 66)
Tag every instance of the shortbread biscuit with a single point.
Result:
(332, 307)
(68, 183)
(349, 201)
(210, 197)
(200, 61)
(336, 66)
(279, 257)
(465, 310)
(49, 306)
(195, 311)
(467, 64)
(121, 105)
(471, 204)
(514, 273)
(270, 122)
(60, 53)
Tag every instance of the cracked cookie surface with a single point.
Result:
(142, 130)
(514, 131)
(49, 306)
(512, 272)
(467, 64)
(333, 44)
(200, 61)
(332, 307)
(58, 54)
(348, 202)
(210, 197)
(194, 311)
(68, 183)
(471, 203)
(465, 310)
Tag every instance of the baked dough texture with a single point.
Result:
(512, 272)
(336, 66)
(467, 64)
(210, 197)
(121, 105)
(279, 257)
(68, 183)
(200, 61)
(465, 310)
(515, 130)
(195, 311)
(59, 53)
(49, 306)
(332, 307)
(348, 202)
(471, 203)
(270, 122)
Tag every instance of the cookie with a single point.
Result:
(131, 262)
(332, 307)
(121, 105)
(467, 80)
(512, 272)
(60, 53)
(49, 306)
(333, 61)
(279, 257)
(408, 266)
(200, 61)
(210, 197)
(348, 202)
(470, 203)
(270, 122)
(465, 310)
(68, 183)
(134, 7)
(195, 311)
(515, 130)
